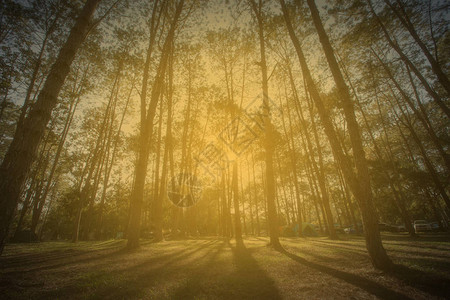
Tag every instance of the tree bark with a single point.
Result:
(359, 182)
(147, 116)
(268, 138)
(18, 159)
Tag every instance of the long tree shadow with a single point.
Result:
(62, 258)
(129, 282)
(425, 237)
(359, 281)
(427, 282)
(247, 281)
(418, 253)
(361, 250)
(68, 260)
(193, 288)
(353, 250)
(148, 275)
(424, 281)
(419, 246)
(253, 282)
(30, 259)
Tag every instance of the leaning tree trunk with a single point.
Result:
(43, 197)
(318, 168)
(147, 116)
(140, 171)
(359, 182)
(363, 192)
(398, 195)
(19, 157)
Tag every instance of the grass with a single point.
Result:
(209, 268)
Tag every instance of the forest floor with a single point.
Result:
(209, 268)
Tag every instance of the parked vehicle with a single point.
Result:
(401, 228)
(351, 229)
(421, 226)
(435, 226)
(338, 228)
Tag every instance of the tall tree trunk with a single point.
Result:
(293, 152)
(250, 199)
(237, 212)
(147, 116)
(26, 104)
(318, 169)
(398, 195)
(18, 159)
(258, 226)
(34, 182)
(157, 199)
(364, 192)
(69, 119)
(110, 165)
(360, 181)
(243, 205)
(168, 147)
(93, 165)
(268, 138)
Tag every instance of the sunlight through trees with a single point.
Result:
(166, 120)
